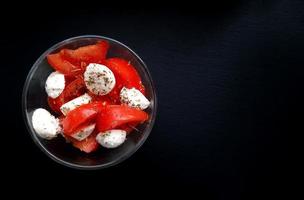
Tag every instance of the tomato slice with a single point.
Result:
(59, 63)
(126, 76)
(125, 72)
(79, 116)
(73, 62)
(113, 116)
(74, 89)
(71, 91)
(87, 145)
(95, 53)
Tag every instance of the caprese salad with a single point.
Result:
(98, 100)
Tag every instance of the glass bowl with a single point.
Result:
(34, 96)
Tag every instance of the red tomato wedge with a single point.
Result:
(79, 116)
(87, 145)
(59, 63)
(126, 76)
(74, 89)
(113, 116)
(71, 91)
(95, 53)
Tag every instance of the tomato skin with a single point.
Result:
(113, 116)
(59, 63)
(81, 115)
(126, 76)
(74, 89)
(95, 53)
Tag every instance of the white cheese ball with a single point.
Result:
(84, 132)
(111, 138)
(71, 105)
(99, 79)
(54, 84)
(133, 98)
(45, 124)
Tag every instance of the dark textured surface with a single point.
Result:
(229, 80)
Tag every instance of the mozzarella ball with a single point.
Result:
(45, 124)
(133, 98)
(111, 138)
(54, 84)
(99, 79)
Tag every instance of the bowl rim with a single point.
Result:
(35, 137)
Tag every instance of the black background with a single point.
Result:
(229, 80)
